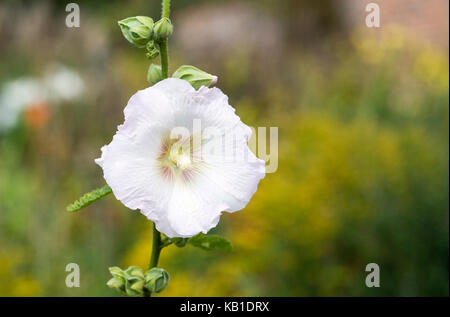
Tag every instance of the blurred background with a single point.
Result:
(363, 123)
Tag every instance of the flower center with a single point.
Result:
(180, 157)
(176, 158)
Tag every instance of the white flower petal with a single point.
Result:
(132, 174)
(188, 213)
(238, 179)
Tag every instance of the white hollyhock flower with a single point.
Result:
(179, 176)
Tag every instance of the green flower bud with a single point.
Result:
(151, 45)
(134, 284)
(154, 74)
(137, 30)
(117, 272)
(133, 287)
(152, 50)
(195, 76)
(138, 286)
(135, 271)
(116, 282)
(152, 54)
(129, 282)
(156, 280)
(163, 29)
(180, 242)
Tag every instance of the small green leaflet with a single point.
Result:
(89, 198)
(211, 242)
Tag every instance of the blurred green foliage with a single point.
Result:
(362, 177)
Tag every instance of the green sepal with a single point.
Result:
(135, 271)
(196, 77)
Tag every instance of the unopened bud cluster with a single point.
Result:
(142, 32)
(134, 282)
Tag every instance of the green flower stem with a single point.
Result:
(156, 248)
(165, 9)
(164, 49)
(164, 53)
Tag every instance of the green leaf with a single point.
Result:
(211, 242)
(89, 198)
